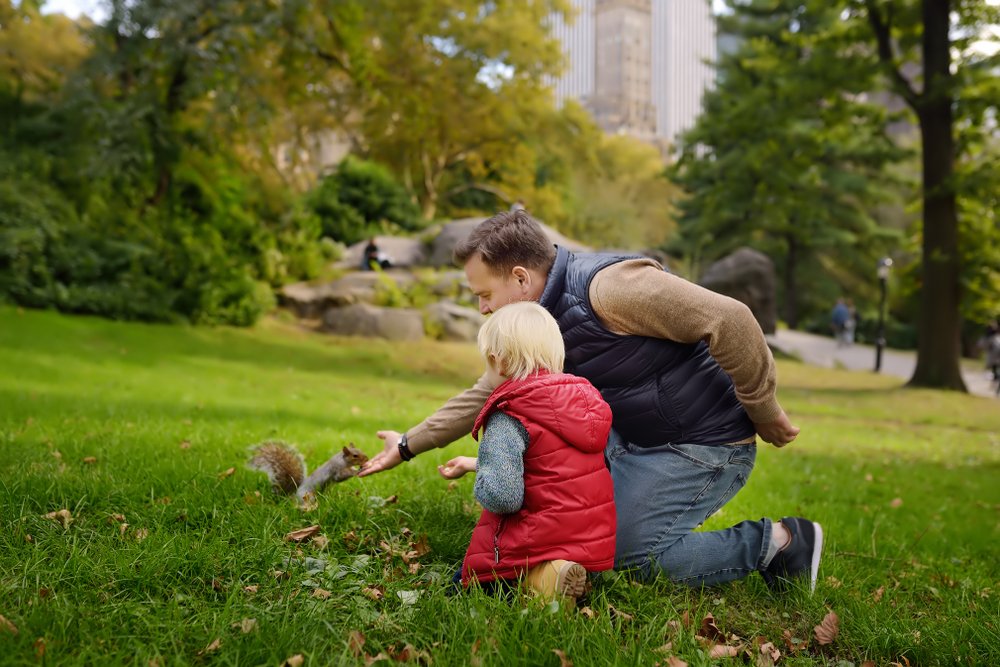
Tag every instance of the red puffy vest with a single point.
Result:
(569, 502)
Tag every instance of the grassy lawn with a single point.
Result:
(906, 483)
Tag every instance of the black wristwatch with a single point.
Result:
(404, 451)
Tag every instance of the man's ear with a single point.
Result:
(521, 275)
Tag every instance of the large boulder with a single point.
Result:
(451, 234)
(747, 276)
(369, 321)
(310, 301)
(453, 321)
(403, 252)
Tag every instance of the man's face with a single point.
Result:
(493, 292)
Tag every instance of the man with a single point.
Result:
(838, 322)
(690, 381)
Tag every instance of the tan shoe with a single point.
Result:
(557, 578)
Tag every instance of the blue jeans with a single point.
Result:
(663, 493)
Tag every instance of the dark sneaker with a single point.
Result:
(800, 557)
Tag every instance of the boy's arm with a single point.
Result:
(452, 421)
(500, 466)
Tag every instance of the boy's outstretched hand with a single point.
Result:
(457, 467)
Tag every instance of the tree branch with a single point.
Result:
(883, 37)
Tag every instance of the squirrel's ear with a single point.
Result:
(347, 452)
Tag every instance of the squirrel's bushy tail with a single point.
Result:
(281, 461)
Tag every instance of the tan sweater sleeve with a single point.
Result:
(452, 421)
(638, 298)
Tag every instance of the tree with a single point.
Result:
(962, 91)
(433, 84)
(786, 156)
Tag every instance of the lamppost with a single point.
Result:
(883, 275)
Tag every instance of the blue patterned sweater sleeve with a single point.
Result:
(500, 464)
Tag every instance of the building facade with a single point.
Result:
(640, 66)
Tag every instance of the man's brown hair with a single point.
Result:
(508, 239)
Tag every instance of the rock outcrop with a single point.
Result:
(362, 319)
(310, 301)
(453, 322)
(748, 276)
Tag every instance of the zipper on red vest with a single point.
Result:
(496, 540)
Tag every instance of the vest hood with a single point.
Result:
(568, 406)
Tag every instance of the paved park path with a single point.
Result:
(823, 351)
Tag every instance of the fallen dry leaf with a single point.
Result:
(57, 455)
(227, 473)
(373, 592)
(563, 660)
(355, 410)
(302, 535)
(246, 625)
(420, 546)
(320, 593)
(896, 502)
(620, 614)
(769, 655)
(392, 499)
(141, 534)
(793, 646)
(120, 518)
(185, 444)
(355, 642)
(452, 485)
(723, 651)
(672, 661)
(833, 582)
(415, 568)
(686, 620)
(877, 595)
(827, 630)
(39, 648)
(710, 630)
(90, 460)
(124, 527)
(156, 662)
(309, 502)
(62, 516)
(27, 536)
(666, 648)
(587, 611)
(164, 501)
(250, 589)
(321, 541)
(295, 661)
(868, 663)
(370, 660)
(7, 626)
(211, 647)
(475, 660)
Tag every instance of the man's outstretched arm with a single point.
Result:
(452, 421)
(639, 298)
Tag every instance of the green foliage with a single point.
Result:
(787, 157)
(128, 395)
(361, 199)
(415, 293)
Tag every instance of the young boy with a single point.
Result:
(548, 499)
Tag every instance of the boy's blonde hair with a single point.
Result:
(523, 338)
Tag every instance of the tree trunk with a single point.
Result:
(939, 325)
(791, 288)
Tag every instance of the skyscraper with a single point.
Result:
(640, 66)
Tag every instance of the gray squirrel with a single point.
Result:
(287, 472)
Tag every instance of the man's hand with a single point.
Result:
(457, 467)
(387, 458)
(779, 433)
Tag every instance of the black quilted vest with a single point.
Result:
(659, 391)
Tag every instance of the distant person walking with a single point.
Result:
(838, 322)
(991, 341)
(851, 325)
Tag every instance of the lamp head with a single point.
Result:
(883, 268)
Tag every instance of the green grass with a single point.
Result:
(129, 394)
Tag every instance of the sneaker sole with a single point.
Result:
(817, 552)
(572, 580)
